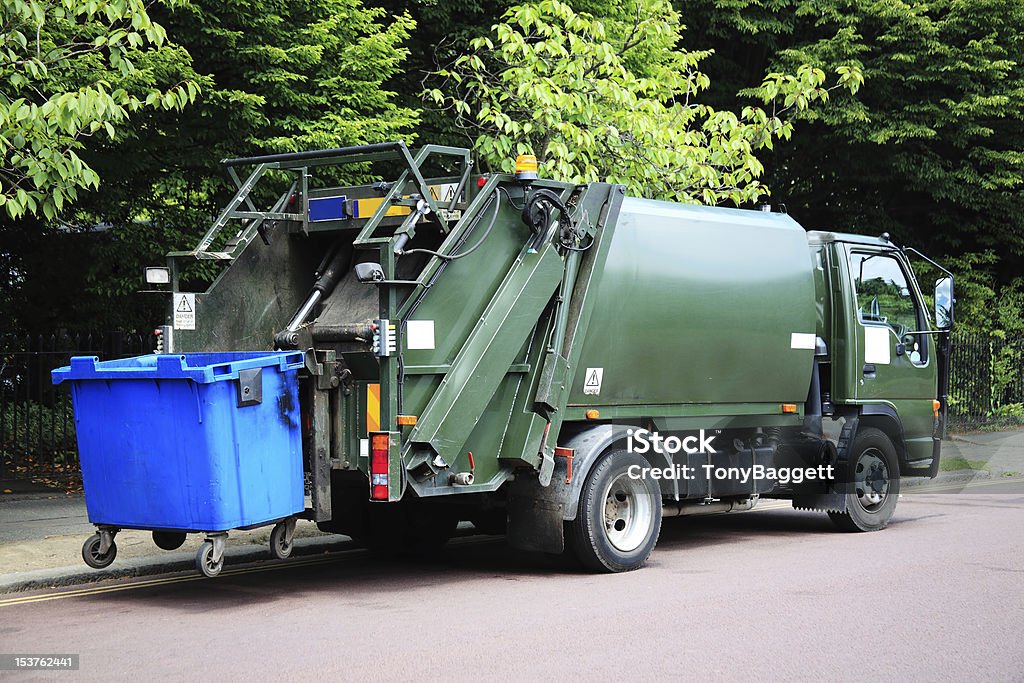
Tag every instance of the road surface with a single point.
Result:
(771, 594)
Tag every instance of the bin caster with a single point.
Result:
(210, 557)
(99, 550)
(168, 540)
(281, 541)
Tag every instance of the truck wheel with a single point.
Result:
(619, 516)
(874, 473)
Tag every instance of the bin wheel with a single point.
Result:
(92, 556)
(205, 562)
(168, 540)
(280, 546)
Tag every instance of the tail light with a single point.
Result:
(380, 451)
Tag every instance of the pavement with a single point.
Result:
(41, 532)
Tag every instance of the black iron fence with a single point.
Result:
(37, 428)
(986, 381)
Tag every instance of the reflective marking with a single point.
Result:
(801, 340)
(372, 408)
(419, 334)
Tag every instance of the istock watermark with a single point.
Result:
(644, 441)
(742, 475)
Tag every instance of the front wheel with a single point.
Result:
(874, 476)
(619, 516)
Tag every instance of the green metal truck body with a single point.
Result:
(485, 348)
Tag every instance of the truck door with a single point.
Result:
(895, 363)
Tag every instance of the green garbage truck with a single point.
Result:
(559, 362)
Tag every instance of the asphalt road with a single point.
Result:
(772, 594)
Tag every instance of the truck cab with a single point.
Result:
(886, 352)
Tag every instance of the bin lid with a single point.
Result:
(202, 368)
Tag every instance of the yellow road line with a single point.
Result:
(97, 590)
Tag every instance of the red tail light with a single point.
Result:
(379, 448)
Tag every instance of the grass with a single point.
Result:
(952, 464)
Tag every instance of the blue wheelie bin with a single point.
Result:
(188, 443)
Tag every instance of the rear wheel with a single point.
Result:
(619, 517)
(875, 482)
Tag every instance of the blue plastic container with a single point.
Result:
(175, 442)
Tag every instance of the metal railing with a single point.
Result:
(37, 427)
(986, 381)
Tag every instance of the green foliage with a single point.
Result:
(275, 76)
(982, 306)
(616, 100)
(931, 149)
(71, 70)
(294, 76)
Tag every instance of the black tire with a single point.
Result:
(619, 517)
(169, 540)
(280, 547)
(874, 480)
(205, 563)
(91, 553)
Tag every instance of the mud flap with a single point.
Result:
(828, 502)
(535, 524)
(536, 512)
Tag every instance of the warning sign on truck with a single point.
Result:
(592, 381)
(184, 311)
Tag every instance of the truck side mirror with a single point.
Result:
(944, 303)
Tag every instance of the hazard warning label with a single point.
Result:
(592, 381)
(184, 311)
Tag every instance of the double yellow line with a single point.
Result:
(99, 590)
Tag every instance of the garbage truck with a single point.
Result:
(557, 362)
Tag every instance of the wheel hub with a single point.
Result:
(871, 479)
(627, 512)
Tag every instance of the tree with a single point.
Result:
(71, 70)
(932, 148)
(617, 100)
(275, 76)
